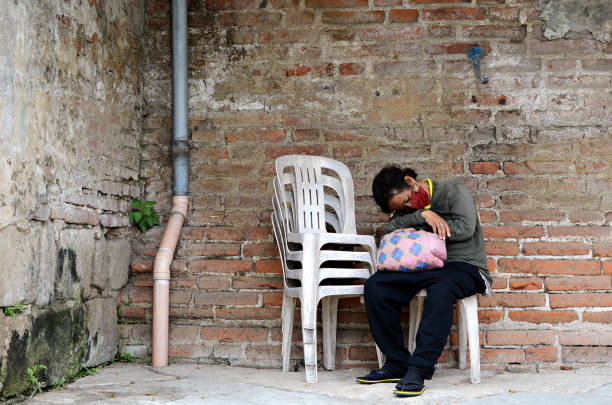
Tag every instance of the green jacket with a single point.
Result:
(454, 203)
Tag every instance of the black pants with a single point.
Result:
(385, 294)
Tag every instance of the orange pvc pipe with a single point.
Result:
(161, 279)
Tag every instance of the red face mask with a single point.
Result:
(419, 199)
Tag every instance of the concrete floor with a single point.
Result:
(222, 385)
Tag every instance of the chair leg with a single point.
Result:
(416, 312)
(462, 334)
(329, 319)
(288, 309)
(471, 312)
(309, 338)
(381, 357)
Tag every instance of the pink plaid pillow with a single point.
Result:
(410, 250)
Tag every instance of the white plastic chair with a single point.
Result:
(467, 325)
(313, 194)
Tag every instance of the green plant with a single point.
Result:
(143, 215)
(33, 380)
(60, 383)
(123, 357)
(14, 310)
(85, 371)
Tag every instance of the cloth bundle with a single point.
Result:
(410, 250)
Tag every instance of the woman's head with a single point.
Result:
(393, 188)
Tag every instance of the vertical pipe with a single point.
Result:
(180, 201)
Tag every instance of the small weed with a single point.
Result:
(123, 357)
(33, 381)
(143, 215)
(85, 371)
(14, 310)
(61, 383)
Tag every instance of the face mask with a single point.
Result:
(419, 199)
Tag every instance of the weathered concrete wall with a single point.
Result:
(70, 124)
(371, 82)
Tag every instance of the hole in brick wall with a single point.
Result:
(377, 93)
(502, 101)
(474, 99)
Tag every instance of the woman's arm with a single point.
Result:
(411, 220)
(463, 217)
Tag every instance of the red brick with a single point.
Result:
(259, 283)
(233, 335)
(207, 282)
(543, 316)
(142, 266)
(499, 283)
(190, 313)
(260, 249)
(226, 298)
(597, 317)
(180, 297)
(248, 313)
(255, 136)
(341, 152)
(363, 353)
(453, 13)
(132, 312)
(222, 5)
(387, 3)
(581, 216)
(532, 215)
(301, 135)
(536, 167)
(298, 70)
(140, 295)
(555, 248)
(587, 267)
(211, 249)
(336, 3)
(607, 267)
(351, 69)
(583, 231)
(273, 299)
(564, 46)
(238, 233)
(586, 354)
(534, 354)
(275, 152)
(455, 48)
(403, 16)
(391, 34)
(581, 300)
(527, 283)
(192, 351)
(493, 31)
(220, 266)
(578, 283)
(512, 300)
(501, 356)
(435, 1)
(502, 248)
(585, 338)
(484, 167)
(183, 333)
(503, 13)
(268, 266)
(487, 217)
(490, 316)
(520, 337)
(512, 231)
(352, 17)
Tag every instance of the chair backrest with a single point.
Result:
(319, 186)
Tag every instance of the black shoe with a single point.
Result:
(383, 375)
(411, 385)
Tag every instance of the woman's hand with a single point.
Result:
(439, 226)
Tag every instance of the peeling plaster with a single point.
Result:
(571, 16)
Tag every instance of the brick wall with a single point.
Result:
(371, 82)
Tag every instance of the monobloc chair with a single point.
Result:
(467, 328)
(312, 196)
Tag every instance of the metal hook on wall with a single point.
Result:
(475, 53)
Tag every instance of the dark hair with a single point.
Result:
(388, 182)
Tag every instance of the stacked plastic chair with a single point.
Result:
(323, 257)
